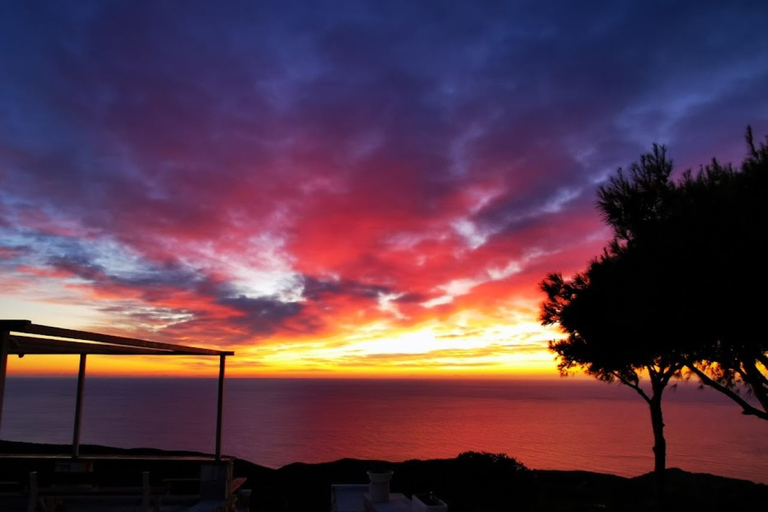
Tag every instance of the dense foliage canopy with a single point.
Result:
(677, 288)
(678, 283)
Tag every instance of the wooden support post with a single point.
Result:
(145, 491)
(78, 408)
(220, 406)
(33, 498)
(5, 346)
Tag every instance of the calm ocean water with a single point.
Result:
(554, 424)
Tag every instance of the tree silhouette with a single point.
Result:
(677, 287)
(619, 318)
(721, 225)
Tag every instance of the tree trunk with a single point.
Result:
(659, 448)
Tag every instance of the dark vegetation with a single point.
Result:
(471, 482)
(676, 293)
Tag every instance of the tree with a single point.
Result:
(722, 219)
(670, 290)
(610, 314)
(711, 226)
(622, 318)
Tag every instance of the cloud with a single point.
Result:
(257, 173)
(316, 288)
(261, 315)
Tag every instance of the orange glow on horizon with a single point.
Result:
(107, 366)
(468, 345)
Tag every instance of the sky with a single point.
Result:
(340, 188)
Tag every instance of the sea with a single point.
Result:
(562, 424)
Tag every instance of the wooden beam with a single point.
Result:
(33, 492)
(14, 325)
(23, 345)
(78, 408)
(5, 345)
(220, 406)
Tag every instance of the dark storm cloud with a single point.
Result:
(315, 289)
(193, 91)
(261, 315)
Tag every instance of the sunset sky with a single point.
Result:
(340, 188)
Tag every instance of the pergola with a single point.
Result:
(22, 337)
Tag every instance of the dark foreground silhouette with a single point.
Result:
(471, 482)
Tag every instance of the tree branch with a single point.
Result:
(670, 372)
(755, 379)
(747, 409)
(758, 373)
(763, 358)
(632, 384)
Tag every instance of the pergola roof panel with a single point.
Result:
(22, 345)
